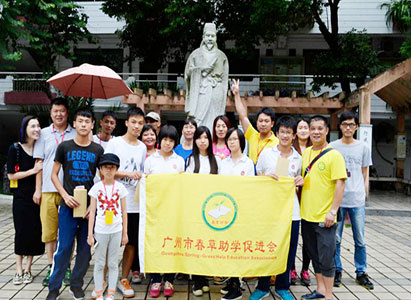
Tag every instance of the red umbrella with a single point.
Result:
(90, 81)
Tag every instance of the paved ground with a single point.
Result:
(388, 236)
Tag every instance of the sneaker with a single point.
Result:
(47, 278)
(293, 277)
(94, 294)
(284, 294)
(228, 287)
(52, 295)
(110, 294)
(77, 292)
(198, 288)
(66, 280)
(220, 280)
(136, 277)
(205, 286)
(337, 279)
(125, 288)
(27, 277)
(18, 279)
(259, 294)
(234, 294)
(363, 280)
(155, 290)
(305, 277)
(313, 295)
(168, 289)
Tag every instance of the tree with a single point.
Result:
(399, 14)
(46, 29)
(167, 30)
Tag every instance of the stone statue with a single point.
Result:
(206, 76)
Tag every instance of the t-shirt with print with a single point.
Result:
(356, 157)
(267, 164)
(319, 185)
(108, 198)
(131, 159)
(157, 164)
(79, 165)
(243, 167)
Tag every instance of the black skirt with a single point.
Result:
(27, 224)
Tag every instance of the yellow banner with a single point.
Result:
(215, 225)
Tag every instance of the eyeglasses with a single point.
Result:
(350, 125)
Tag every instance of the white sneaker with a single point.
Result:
(136, 277)
(93, 293)
(27, 277)
(18, 279)
(125, 288)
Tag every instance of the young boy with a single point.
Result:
(267, 166)
(132, 153)
(79, 159)
(107, 124)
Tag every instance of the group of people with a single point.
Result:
(49, 164)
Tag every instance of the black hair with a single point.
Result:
(135, 111)
(226, 122)
(296, 143)
(147, 127)
(196, 152)
(168, 131)
(59, 101)
(190, 121)
(23, 128)
(84, 112)
(287, 122)
(109, 113)
(348, 115)
(241, 137)
(267, 111)
(319, 118)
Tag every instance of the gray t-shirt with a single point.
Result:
(356, 157)
(45, 148)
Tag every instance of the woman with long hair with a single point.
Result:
(22, 170)
(221, 126)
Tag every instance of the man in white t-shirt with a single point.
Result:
(268, 164)
(107, 125)
(132, 153)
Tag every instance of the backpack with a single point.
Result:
(6, 181)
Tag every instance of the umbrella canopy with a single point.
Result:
(90, 81)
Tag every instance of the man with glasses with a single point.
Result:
(357, 160)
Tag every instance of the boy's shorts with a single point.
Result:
(133, 220)
(49, 216)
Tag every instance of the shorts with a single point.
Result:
(49, 216)
(320, 243)
(133, 220)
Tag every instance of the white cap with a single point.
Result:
(153, 115)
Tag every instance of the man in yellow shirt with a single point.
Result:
(264, 137)
(324, 175)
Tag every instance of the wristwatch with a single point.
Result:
(333, 212)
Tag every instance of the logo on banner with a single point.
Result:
(219, 211)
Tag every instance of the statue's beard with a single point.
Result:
(210, 45)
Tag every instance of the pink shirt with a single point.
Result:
(222, 153)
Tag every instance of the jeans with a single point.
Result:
(283, 281)
(70, 228)
(357, 216)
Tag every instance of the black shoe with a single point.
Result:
(78, 293)
(234, 294)
(337, 279)
(228, 287)
(52, 295)
(364, 280)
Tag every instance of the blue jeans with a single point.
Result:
(70, 228)
(283, 281)
(357, 216)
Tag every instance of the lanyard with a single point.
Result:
(258, 147)
(99, 137)
(112, 190)
(55, 136)
(311, 163)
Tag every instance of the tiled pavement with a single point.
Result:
(389, 259)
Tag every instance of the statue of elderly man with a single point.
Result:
(206, 76)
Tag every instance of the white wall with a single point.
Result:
(99, 22)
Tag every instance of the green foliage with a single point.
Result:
(45, 29)
(399, 14)
(355, 61)
(165, 30)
